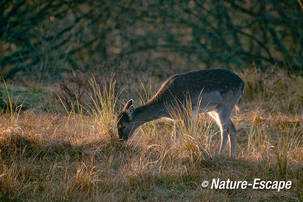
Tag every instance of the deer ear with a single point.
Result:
(128, 105)
(129, 108)
(130, 111)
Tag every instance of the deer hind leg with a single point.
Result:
(222, 119)
(232, 139)
(224, 134)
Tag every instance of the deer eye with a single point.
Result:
(120, 126)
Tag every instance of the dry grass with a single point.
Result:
(78, 157)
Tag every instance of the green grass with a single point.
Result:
(77, 156)
(12, 97)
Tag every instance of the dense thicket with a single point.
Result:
(46, 38)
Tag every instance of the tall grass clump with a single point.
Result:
(104, 100)
(192, 137)
(287, 144)
(145, 92)
(11, 106)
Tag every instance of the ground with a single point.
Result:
(49, 156)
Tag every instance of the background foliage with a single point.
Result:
(43, 39)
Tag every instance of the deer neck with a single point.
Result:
(147, 112)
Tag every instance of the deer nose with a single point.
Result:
(123, 138)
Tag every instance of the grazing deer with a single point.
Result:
(215, 91)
